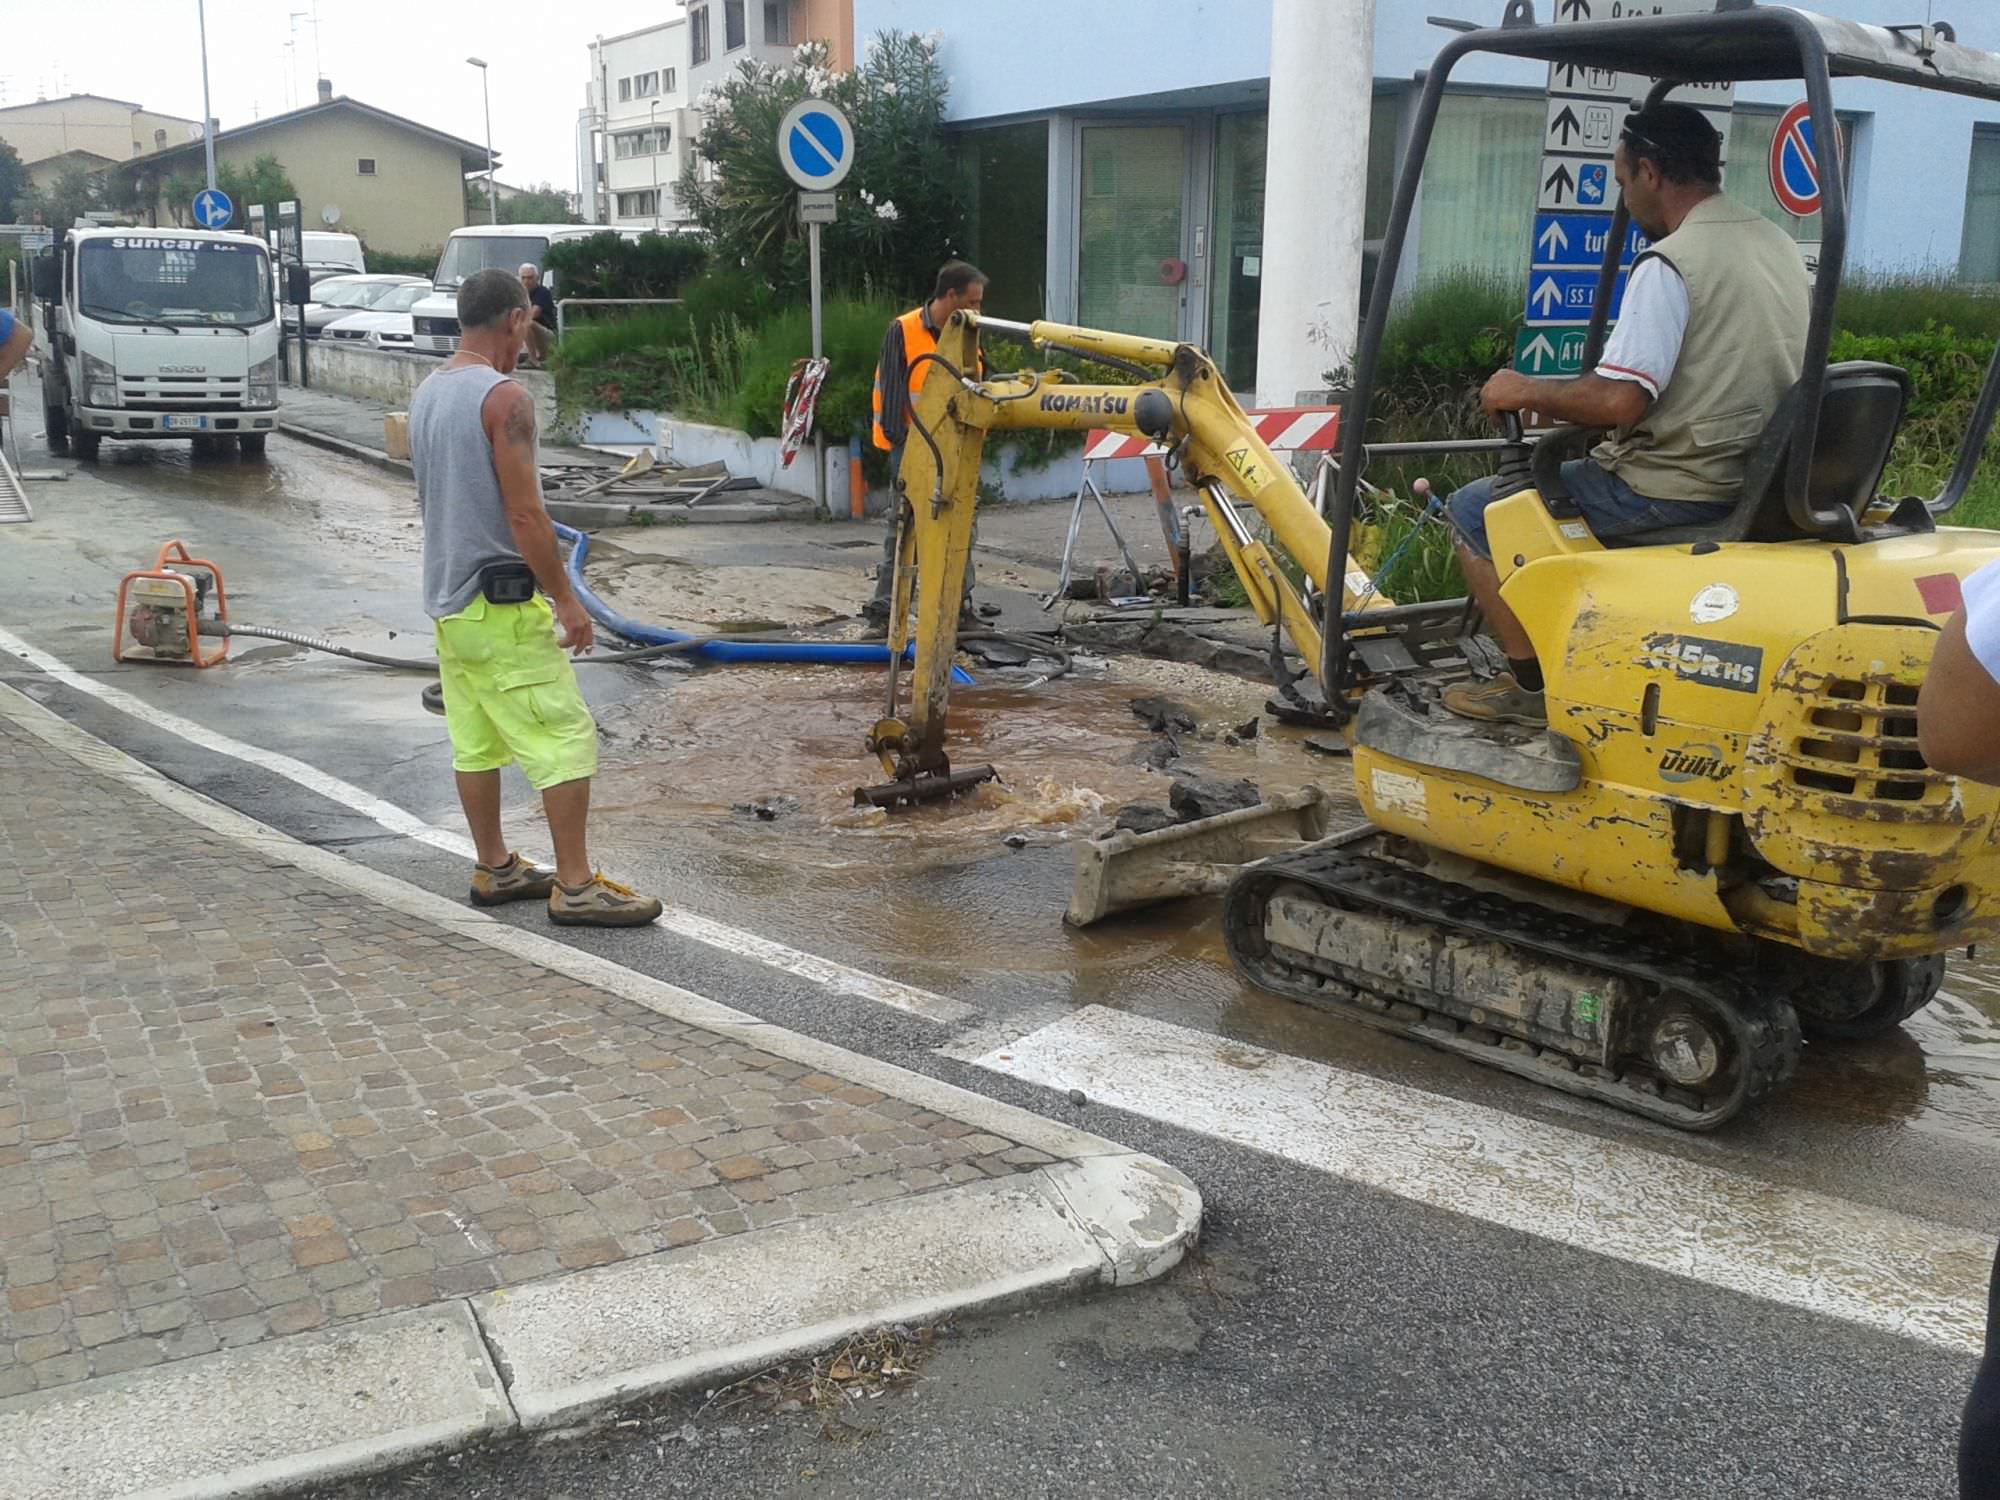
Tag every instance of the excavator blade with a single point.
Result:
(1123, 871)
(925, 786)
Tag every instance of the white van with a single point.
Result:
(324, 247)
(478, 247)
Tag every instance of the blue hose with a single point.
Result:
(840, 653)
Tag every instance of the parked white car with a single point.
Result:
(385, 322)
(338, 296)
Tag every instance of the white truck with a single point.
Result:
(478, 247)
(158, 334)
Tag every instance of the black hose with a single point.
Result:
(416, 664)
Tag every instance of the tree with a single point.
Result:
(903, 212)
(178, 191)
(543, 204)
(74, 193)
(16, 187)
(262, 182)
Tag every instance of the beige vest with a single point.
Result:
(1744, 346)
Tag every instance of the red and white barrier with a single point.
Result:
(1285, 430)
(1288, 429)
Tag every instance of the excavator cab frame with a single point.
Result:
(1736, 42)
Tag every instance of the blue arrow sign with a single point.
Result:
(1567, 296)
(1577, 240)
(212, 208)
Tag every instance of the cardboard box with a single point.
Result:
(396, 434)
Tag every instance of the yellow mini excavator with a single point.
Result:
(1726, 830)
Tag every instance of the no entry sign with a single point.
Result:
(1794, 166)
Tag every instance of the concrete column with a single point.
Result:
(1315, 192)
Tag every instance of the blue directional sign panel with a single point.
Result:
(212, 209)
(1566, 296)
(1576, 188)
(816, 144)
(1576, 241)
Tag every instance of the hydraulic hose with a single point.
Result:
(722, 648)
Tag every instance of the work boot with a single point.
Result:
(601, 903)
(517, 880)
(1501, 701)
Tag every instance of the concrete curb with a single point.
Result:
(585, 515)
(1100, 1214)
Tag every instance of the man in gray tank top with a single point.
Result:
(509, 692)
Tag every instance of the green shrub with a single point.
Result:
(852, 339)
(610, 265)
(391, 263)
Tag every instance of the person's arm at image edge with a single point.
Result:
(1958, 710)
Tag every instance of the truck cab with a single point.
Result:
(158, 334)
(479, 247)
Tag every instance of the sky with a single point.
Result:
(406, 56)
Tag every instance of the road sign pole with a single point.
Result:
(816, 149)
(207, 112)
(819, 438)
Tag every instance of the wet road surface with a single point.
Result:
(938, 899)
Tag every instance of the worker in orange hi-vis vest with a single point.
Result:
(898, 378)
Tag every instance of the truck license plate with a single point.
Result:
(186, 424)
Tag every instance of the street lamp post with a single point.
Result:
(486, 97)
(653, 147)
(207, 112)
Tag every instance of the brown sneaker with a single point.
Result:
(602, 903)
(517, 880)
(1501, 701)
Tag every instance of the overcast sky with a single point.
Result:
(401, 55)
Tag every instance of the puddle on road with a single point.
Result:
(338, 499)
(934, 891)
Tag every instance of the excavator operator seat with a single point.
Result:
(1861, 407)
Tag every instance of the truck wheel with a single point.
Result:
(1853, 1002)
(87, 444)
(55, 428)
(253, 443)
(205, 446)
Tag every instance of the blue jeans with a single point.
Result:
(1610, 506)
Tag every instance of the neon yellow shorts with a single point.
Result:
(510, 694)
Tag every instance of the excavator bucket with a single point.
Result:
(1124, 871)
(925, 786)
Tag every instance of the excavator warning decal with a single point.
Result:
(1247, 469)
(1723, 664)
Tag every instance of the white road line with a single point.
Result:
(1809, 1250)
(823, 971)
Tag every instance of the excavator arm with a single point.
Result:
(1187, 408)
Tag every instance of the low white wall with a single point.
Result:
(388, 376)
(698, 443)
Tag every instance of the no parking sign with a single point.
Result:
(1794, 165)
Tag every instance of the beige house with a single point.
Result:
(361, 170)
(52, 134)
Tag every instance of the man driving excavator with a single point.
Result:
(1711, 336)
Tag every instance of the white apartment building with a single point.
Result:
(635, 133)
(637, 129)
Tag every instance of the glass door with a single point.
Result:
(1132, 274)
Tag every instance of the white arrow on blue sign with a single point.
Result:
(1566, 296)
(816, 144)
(212, 208)
(1571, 241)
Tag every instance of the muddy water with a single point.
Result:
(937, 891)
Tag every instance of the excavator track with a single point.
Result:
(1658, 1028)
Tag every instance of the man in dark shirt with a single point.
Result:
(914, 334)
(539, 297)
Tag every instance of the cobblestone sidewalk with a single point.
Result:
(237, 1101)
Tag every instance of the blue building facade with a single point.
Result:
(1114, 152)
